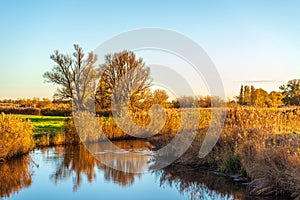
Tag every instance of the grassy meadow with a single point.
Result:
(45, 124)
(47, 130)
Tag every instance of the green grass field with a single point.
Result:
(45, 124)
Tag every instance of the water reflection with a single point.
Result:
(200, 184)
(127, 156)
(76, 166)
(77, 162)
(15, 175)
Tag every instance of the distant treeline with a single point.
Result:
(36, 106)
(289, 95)
(35, 111)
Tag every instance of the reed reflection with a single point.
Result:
(14, 176)
(200, 184)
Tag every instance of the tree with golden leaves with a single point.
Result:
(125, 78)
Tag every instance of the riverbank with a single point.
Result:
(260, 144)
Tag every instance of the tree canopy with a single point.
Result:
(124, 78)
(251, 96)
(292, 92)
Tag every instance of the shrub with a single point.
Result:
(56, 112)
(71, 135)
(15, 136)
(232, 164)
(23, 111)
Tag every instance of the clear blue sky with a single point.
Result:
(247, 40)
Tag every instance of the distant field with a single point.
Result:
(45, 124)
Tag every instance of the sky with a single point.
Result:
(250, 42)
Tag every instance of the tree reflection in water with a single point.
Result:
(77, 162)
(15, 175)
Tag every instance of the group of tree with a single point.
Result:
(125, 79)
(289, 95)
(291, 92)
(34, 102)
(197, 101)
(250, 96)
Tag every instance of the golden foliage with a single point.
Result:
(15, 136)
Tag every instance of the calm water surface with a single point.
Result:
(73, 173)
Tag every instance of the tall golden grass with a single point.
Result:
(110, 127)
(15, 136)
(273, 164)
(264, 143)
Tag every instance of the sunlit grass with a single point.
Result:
(47, 130)
(45, 124)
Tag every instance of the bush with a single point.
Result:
(21, 111)
(71, 135)
(232, 164)
(273, 165)
(56, 112)
(15, 136)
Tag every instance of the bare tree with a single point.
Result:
(75, 75)
(124, 78)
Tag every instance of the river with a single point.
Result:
(73, 173)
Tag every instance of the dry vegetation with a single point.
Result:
(262, 142)
(15, 136)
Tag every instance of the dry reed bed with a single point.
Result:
(262, 142)
(15, 136)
